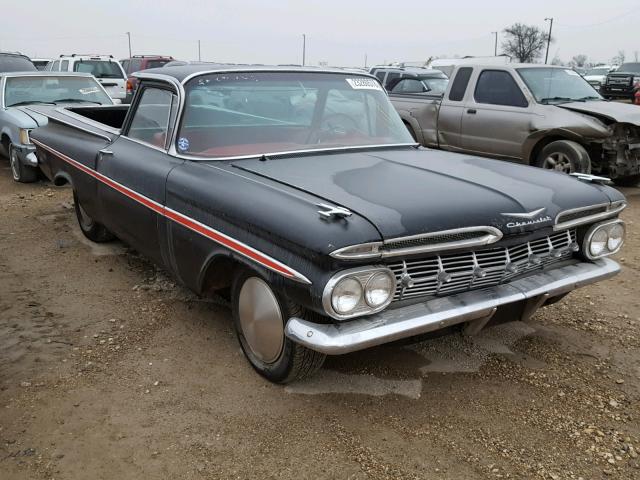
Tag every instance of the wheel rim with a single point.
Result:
(13, 160)
(86, 222)
(261, 320)
(558, 161)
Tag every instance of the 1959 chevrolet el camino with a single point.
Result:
(302, 193)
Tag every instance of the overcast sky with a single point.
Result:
(339, 32)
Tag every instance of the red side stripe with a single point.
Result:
(182, 219)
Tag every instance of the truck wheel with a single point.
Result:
(21, 173)
(630, 181)
(259, 316)
(564, 156)
(91, 229)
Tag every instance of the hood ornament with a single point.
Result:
(329, 211)
(533, 214)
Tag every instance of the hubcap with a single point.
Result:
(261, 320)
(85, 220)
(558, 161)
(15, 167)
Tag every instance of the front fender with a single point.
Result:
(529, 146)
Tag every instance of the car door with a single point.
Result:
(138, 161)
(497, 116)
(449, 116)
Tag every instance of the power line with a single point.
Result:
(612, 19)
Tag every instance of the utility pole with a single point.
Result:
(546, 58)
(129, 36)
(199, 55)
(365, 60)
(495, 50)
(304, 49)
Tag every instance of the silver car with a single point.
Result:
(18, 90)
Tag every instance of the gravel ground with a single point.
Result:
(109, 370)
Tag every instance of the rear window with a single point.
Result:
(629, 68)
(157, 63)
(99, 68)
(460, 84)
(13, 63)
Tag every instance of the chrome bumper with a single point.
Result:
(438, 313)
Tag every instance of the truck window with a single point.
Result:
(391, 76)
(408, 85)
(64, 66)
(150, 123)
(125, 65)
(497, 87)
(460, 84)
(56, 66)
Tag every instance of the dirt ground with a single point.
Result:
(108, 370)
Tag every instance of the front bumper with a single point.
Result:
(27, 154)
(439, 313)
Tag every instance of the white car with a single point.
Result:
(597, 75)
(105, 68)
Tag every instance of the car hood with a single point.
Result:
(409, 192)
(612, 111)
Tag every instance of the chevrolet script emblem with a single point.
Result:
(528, 218)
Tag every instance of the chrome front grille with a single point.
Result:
(457, 272)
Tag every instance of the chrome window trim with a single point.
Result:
(592, 231)
(493, 235)
(612, 209)
(333, 281)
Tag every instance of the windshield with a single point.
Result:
(437, 86)
(629, 68)
(598, 71)
(550, 85)
(15, 63)
(252, 113)
(53, 89)
(157, 63)
(99, 68)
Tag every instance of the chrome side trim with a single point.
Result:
(396, 324)
(493, 235)
(612, 210)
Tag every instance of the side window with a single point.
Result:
(150, 123)
(408, 85)
(459, 86)
(56, 66)
(380, 75)
(390, 77)
(136, 64)
(125, 65)
(64, 66)
(497, 87)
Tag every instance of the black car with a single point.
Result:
(622, 83)
(302, 194)
(15, 62)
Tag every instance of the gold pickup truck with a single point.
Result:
(540, 115)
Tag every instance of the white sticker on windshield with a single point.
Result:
(87, 91)
(572, 72)
(363, 84)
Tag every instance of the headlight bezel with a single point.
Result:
(24, 136)
(607, 227)
(363, 275)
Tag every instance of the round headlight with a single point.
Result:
(346, 295)
(616, 237)
(598, 243)
(378, 289)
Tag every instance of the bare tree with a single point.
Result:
(619, 58)
(557, 61)
(578, 60)
(524, 42)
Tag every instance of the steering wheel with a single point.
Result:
(335, 125)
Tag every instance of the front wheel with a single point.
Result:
(21, 173)
(564, 156)
(94, 231)
(259, 316)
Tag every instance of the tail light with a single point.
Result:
(129, 86)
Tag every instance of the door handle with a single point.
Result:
(472, 111)
(105, 151)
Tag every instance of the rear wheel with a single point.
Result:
(21, 173)
(259, 316)
(94, 231)
(564, 156)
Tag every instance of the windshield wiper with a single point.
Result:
(557, 99)
(590, 98)
(75, 100)
(30, 102)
